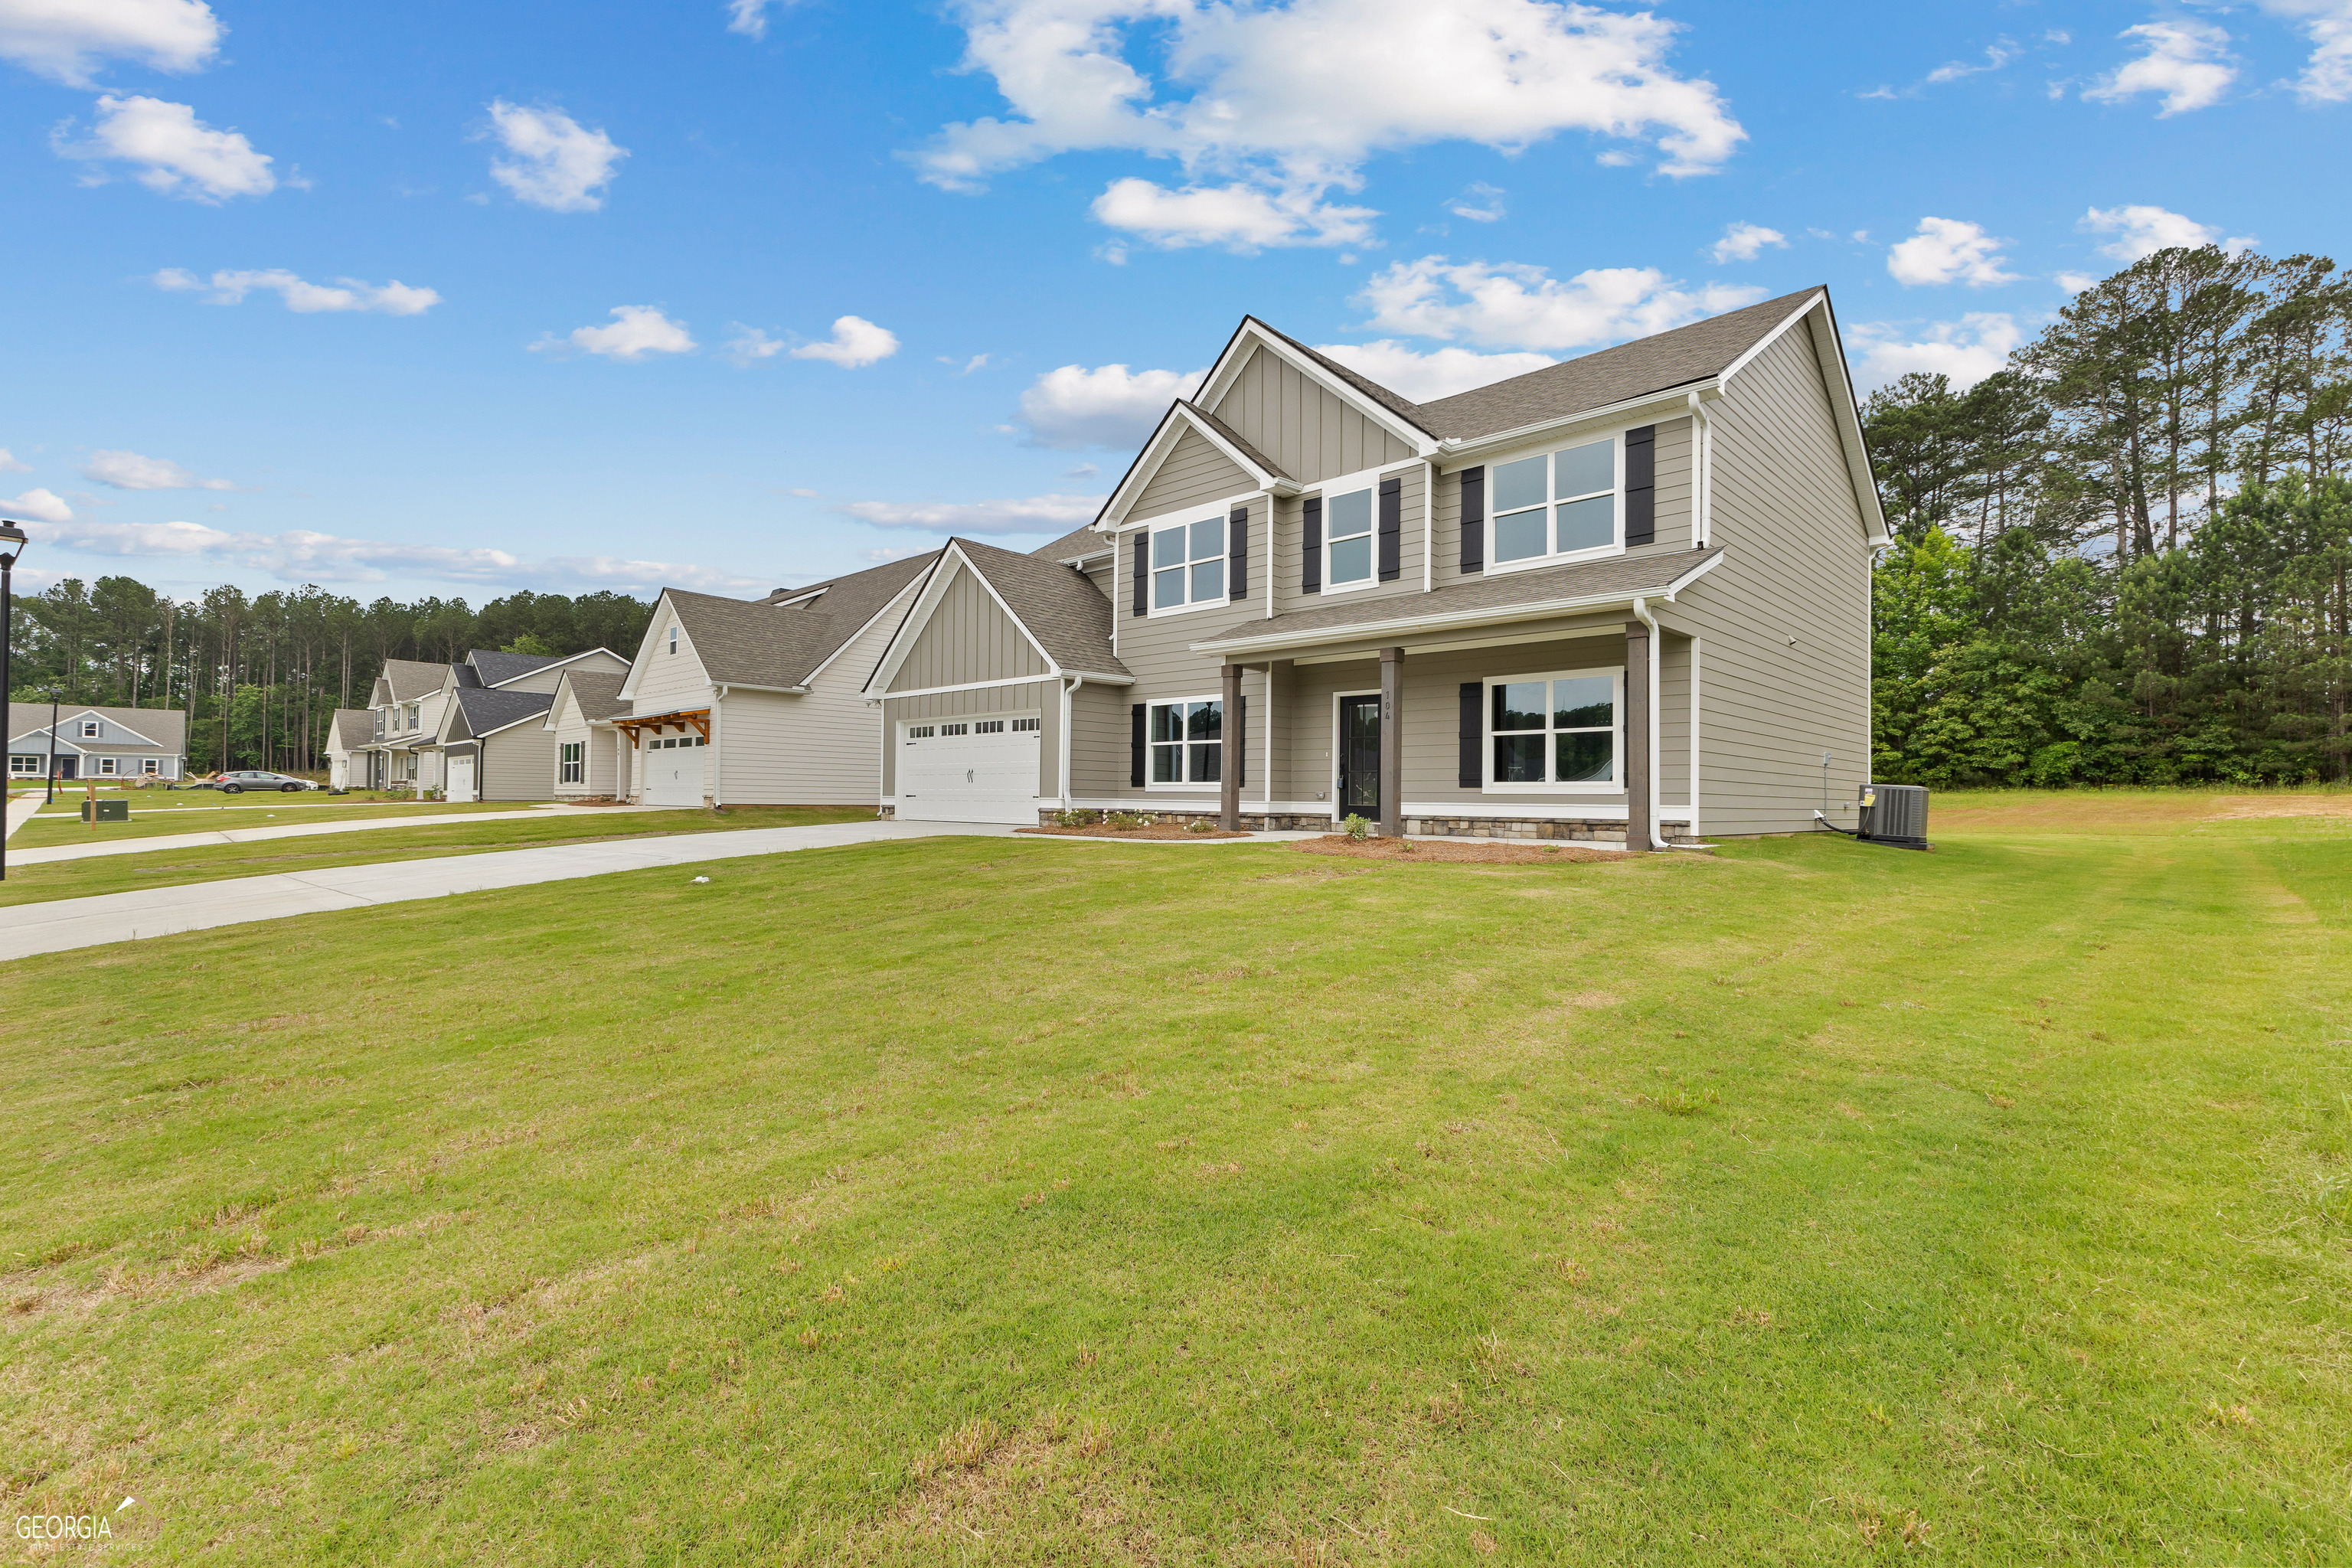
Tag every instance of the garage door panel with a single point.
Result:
(674, 773)
(970, 769)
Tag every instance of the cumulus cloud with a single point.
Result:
(1108, 406)
(37, 506)
(1967, 350)
(129, 471)
(392, 299)
(2188, 62)
(1033, 514)
(636, 331)
(1746, 242)
(66, 40)
(1513, 305)
(2327, 76)
(855, 341)
(749, 18)
(2142, 231)
(1289, 100)
(1946, 250)
(1481, 202)
(2076, 282)
(1425, 377)
(9, 464)
(173, 152)
(553, 161)
(1997, 55)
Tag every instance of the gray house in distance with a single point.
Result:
(103, 743)
(1623, 597)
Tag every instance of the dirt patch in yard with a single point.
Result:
(1156, 830)
(1479, 851)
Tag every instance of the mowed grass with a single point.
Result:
(1013, 1202)
(33, 885)
(60, 828)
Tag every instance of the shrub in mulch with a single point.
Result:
(1101, 830)
(1451, 851)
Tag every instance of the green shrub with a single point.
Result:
(1356, 827)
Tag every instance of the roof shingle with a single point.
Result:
(761, 642)
(596, 693)
(485, 708)
(1060, 607)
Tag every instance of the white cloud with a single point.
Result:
(175, 153)
(1426, 377)
(1240, 216)
(855, 341)
(129, 471)
(2327, 76)
(1746, 242)
(1946, 250)
(9, 464)
(557, 163)
(748, 345)
(392, 299)
(1512, 305)
(37, 506)
(884, 554)
(1481, 202)
(749, 18)
(1967, 350)
(66, 40)
(2076, 282)
(636, 330)
(1109, 405)
(1055, 513)
(2142, 231)
(2188, 62)
(1996, 56)
(1289, 100)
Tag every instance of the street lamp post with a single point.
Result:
(12, 541)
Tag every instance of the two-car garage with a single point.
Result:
(979, 769)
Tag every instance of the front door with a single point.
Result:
(68, 766)
(1360, 756)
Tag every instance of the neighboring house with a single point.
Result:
(349, 739)
(998, 683)
(592, 755)
(762, 703)
(493, 738)
(97, 742)
(1633, 588)
(407, 704)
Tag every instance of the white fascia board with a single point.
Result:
(896, 599)
(559, 664)
(934, 585)
(1830, 347)
(1667, 403)
(628, 692)
(1768, 339)
(1053, 670)
(1172, 426)
(1254, 334)
(1394, 631)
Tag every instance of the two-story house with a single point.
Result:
(406, 705)
(1625, 596)
(492, 738)
(104, 744)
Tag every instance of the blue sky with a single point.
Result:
(454, 300)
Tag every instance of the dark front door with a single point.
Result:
(69, 767)
(1360, 756)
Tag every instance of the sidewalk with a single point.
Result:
(299, 830)
(21, 809)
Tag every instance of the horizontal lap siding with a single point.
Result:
(572, 729)
(1310, 431)
(821, 747)
(1193, 474)
(1432, 685)
(1795, 566)
(669, 680)
(516, 764)
(1098, 741)
(1290, 553)
(967, 637)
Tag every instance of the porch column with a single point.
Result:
(1229, 777)
(1392, 742)
(1640, 771)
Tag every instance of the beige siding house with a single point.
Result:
(407, 704)
(1624, 598)
(762, 703)
(349, 739)
(591, 757)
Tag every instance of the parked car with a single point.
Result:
(255, 778)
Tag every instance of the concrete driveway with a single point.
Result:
(52, 855)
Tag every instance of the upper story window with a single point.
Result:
(415, 714)
(1188, 564)
(1348, 538)
(673, 639)
(379, 723)
(1559, 729)
(89, 728)
(1557, 504)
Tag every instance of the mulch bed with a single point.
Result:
(1472, 851)
(1100, 830)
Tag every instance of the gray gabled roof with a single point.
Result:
(166, 728)
(485, 710)
(1265, 464)
(1076, 545)
(1060, 607)
(354, 728)
(1403, 408)
(779, 645)
(410, 678)
(595, 692)
(497, 669)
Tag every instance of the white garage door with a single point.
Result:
(674, 771)
(461, 775)
(970, 769)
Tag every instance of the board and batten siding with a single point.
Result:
(1308, 431)
(1193, 474)
(1040, 698)
(1784, 620)
(967, 637)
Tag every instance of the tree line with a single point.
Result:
(259, 677)
(2124, 557)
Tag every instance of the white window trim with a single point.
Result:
(1616, 784)
(1160, 524)
(91, 730)
(1495, 566)
(31, 768)
(1362, 479)
(1186, 786)
(151, 767)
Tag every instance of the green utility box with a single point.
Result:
(106, 811)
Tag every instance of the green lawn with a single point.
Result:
(63, 825)
(1025, 1201)
(213, 862)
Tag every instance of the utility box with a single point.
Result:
(106, 811)
(1895, 814)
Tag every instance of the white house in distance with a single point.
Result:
(103, 743)
(762, 703)
(591, 754)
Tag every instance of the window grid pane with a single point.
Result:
(1351, 559)
(1587, 524)
(1208, 581)
(1346, 515)
(1582, 471)
(1520, 536)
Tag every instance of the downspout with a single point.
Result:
(718, 751)
(1428, 524)
(1704, 453)
(1269, 552)
(1069, 800)
(1642, 614)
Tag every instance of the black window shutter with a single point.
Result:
(1391, 528)
(1135, 746)
(1241, 742)
(1237, 552)
(1642, 484)
(1311, 535)
(1473, 775)
(1474, 520)
(1142, 573)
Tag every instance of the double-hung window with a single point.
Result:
(151, 767)
(572, 753)
(1187, 741)
(1556, 730)
(1188, 564)
(106, 765)
(1561, 503)
(1348, 538)
(22, 765)
(89, 728)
